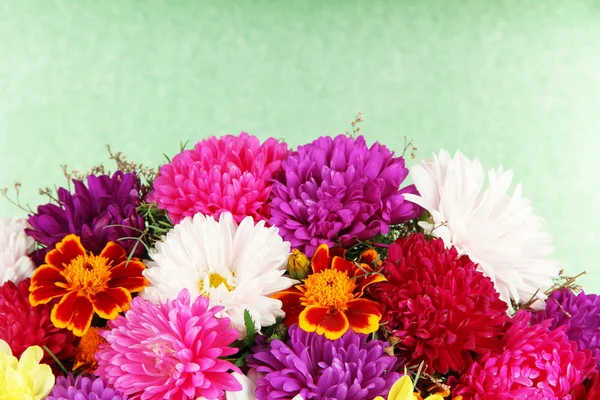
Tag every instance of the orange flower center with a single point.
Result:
(328, 288)
(87, 349)
(88, 274)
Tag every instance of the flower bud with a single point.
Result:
(298, 265)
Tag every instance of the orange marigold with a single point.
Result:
(329, 300)
(85, 283)
(87, 349)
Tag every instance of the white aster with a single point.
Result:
(15, 245)
(498, 231)
(237, 267)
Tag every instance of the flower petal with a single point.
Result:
(110, 302)
(65, 251)
(363, 315)
(321, 320)
(292, 306)
(43, 294)
(73, 312)
(114, 252)
(369, 257)
(320, 260)
(364, 281)
(343, 265)
(129, 276)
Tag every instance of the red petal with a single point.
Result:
(73, 312)
(292, 305)
(43, 294)
(46, 275)
(363, 315)
(337, 251)
(68, 249)
(369, 257)
(364, 281)
(319, 319)
(320, 260)
(110, 302)
(114, 252)
(129, 276)
(343, 265)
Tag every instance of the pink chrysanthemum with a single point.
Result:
(537, 363)
(230, 173)
(169, 351)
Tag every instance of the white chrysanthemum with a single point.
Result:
(15, 245)
(498, 231)
(237, 267)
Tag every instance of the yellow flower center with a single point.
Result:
(88, 274)
(215, 280)
(328, 288)
(86, 350)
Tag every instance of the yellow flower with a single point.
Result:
(24, 379)
(403, 390)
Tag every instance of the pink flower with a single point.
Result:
(537, 363)
(172, 350)
(230, 173)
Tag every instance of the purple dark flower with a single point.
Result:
(339, 189)
(315, 367)
(104, 211)
(580, 313)
(83, 388)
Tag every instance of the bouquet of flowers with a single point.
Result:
(249, 270)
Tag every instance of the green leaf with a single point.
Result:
(250, 328)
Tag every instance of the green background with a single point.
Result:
(515, 83)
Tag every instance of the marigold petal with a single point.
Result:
(369, 257)
(343, 265)
(364, 281)
(114, 252)
(129, 276)
(65, 251)
(320, 260)
(73, 312)
(46, 275)
(110, 302)
(43, 294)
(292, 306)
(319, 319)
(363, 315)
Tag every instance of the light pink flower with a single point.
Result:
(171, 350)
(230, 173)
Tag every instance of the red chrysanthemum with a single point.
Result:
(86, 283)
(22, 325)
(329, 300)
(441, 309)
(535, 363)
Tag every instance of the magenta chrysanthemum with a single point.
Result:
(536, 363)
(339, 189)
(22, 325)
(230, 173)
(442, 310)
(169, 351)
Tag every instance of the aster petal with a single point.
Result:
(114, 252)
(363, 315)
(66, 250)
(321, 260)
(110, 302)
(73, 312)
(323, 322)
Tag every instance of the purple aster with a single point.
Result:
(339, 189)
(83, 388)
(580, 313)
(101, 212)
(315, 367)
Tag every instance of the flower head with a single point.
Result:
(329, 300)
(15, 245)
(339, 189)
(103, 211)
(236, 266)
(439, 307)
(580, 313)
(171, 350)
(536, 363)
(86, 350)
(403, 390)
(497, 231)
(315, 367)
(226, 174)
(24, 378)
(23, 325)
(85, 283)
(83, 388)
